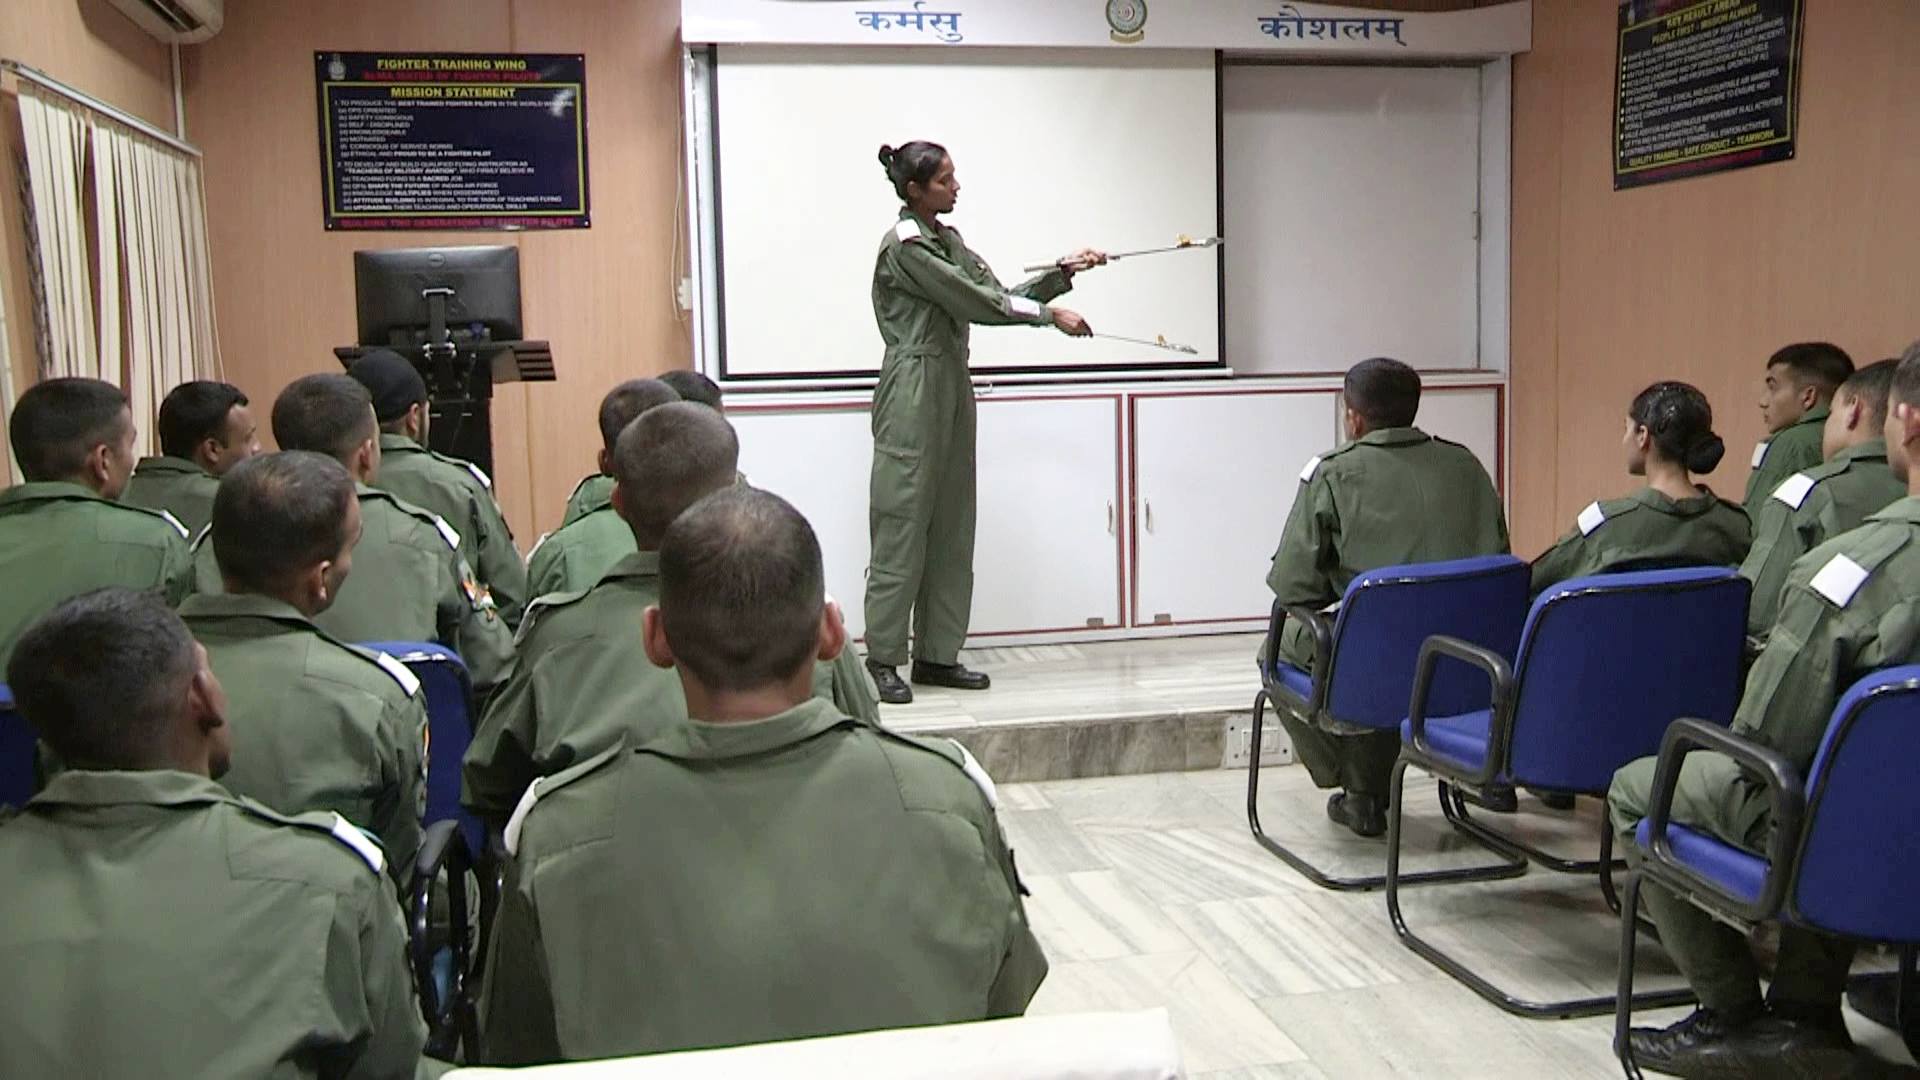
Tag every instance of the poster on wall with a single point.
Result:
(452, 140)
(1704, 86)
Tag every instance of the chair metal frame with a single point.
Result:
(1314, 711)
(453, 1020)
(1789, 803)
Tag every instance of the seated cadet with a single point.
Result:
(693, 386)
(1672, 521)
(1794, 399)
(205, 428)
(410, 583)
(593, 538)
(766, 870)
(1809, 508)
(154, 924)
(1391, 495)
(62, 533)
(317, 724)
(456, 490)
(581, 681)
(622, 404)
(1849, 607)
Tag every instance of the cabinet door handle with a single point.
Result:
(1110, 531)
(1149, 515)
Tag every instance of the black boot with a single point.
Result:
(951, 676)
(1552, 800)
(1497, 798)
(1360, 813)
(893, 689)
(1712, 1044)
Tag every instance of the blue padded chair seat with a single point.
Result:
(1294, 680)
(1741, 873)
(1462, 740)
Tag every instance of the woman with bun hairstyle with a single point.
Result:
(1672, 521)
(928, 290)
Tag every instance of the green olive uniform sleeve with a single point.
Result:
(387, 996)
(1024, 966)
(938, 280)
(1300, 571)
(472, 625)
(404, 771)
(500, 564)
(1793, 450)
(516, 1001)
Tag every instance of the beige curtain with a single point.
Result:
(121, 243)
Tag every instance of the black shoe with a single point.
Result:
(893, 689)
(951, 676)
(1360, 813)
(1498, 799)
(1712, 1045)
(1553, 800)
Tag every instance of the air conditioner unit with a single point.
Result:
(179, 21)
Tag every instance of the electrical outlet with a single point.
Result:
(683, 292)
(1237, 748)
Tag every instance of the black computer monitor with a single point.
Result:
(390, 287)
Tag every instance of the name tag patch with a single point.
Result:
(1793, 491)
(1839, 580)
(1590, 518)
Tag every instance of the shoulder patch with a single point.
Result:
(205, 535)
(1591, 518)
(977, 774)
(1313, 466)
(539, 606)
(363, 845)
(1839, 580)
(542, 785)
(479, 474)
(1760, 452)
(907, 230)
(511, 835)
(447, 532)
(1793, 491)
(1023, 307)
(398, 672)
(544, 537)
(175, 522)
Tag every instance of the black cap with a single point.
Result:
(395, 384)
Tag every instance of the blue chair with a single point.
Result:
(450, 719)
(1605, 664)
(1839, 855)
(17, 749)
(1363, 673)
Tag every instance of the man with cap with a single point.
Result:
(154, 923)
(205, 428)
(765, 868)
(321, 725)
(580, 681)
(593, 537)
(459, 491)
(63, 532)
(409, 581)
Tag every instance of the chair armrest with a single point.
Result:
(1786, 797)
(443, 848)
(1500, 686)
(1316, 624)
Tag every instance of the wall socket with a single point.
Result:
(1237, 748)
(683, 293)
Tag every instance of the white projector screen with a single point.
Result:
(1055, 150)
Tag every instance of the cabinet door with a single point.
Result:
(1215, 475)
(1469, 416)
(818, 459)
(1047, 555)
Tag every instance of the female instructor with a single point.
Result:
(928, 289)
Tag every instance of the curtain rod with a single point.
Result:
(94, 104)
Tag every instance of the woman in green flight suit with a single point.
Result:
(928, 289)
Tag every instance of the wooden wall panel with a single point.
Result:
(602, 296)
(1697, 279)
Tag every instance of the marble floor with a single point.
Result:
(1150, 891)
(1042, 683)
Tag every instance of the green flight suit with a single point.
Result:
(928, 290)
(1391, 497)
(581, 683)
(463, 497)
(181, 488)
(590, 494)
(1647, 529)
(1806, 510)
(155, 925)
(59, 540)
(408, 583)
(1795, 449)
(719, 884)
(317, 724)
(573, 557)
(1849, 608)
